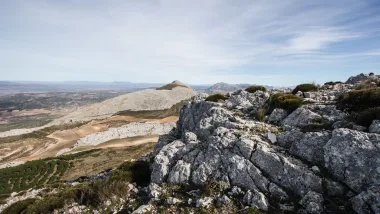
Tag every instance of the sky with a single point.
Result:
(270, 42)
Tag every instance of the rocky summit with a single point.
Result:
(274, 168)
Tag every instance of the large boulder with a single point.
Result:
(353, 157)
(300, 117)
(310, 146)
(277, 115)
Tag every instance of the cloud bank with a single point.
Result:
(270, 42)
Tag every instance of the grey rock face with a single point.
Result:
(256, 199)
(375, 127)
(277, 115)
(310, 146)
(164, 160)
(367, 201)
(277, 192)
(313, 203)
(245, 101)
(334, 189)
(287, 139)
(353, 157)
(328, 112)
(180, 173)
(209, 143)
(154, 190)
(300, 117)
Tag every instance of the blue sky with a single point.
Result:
(271, 42)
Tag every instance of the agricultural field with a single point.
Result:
(36, 174)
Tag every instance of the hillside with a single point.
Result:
(144, 100)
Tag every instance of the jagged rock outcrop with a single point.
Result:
(248, 102)
(211, 143)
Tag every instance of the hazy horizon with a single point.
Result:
(279, 43)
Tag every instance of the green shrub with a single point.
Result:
(254, 88)
(216, 97)
(288, 102)
(135, 172)
(360, 100)
(260, 115)
(305, 88)
(46, 205)
(365, 117)
(333, 83)
(19, 207)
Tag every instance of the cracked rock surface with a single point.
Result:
(303, 171)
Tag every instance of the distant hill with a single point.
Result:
(161, 98)
(222, 87)
(13, 87)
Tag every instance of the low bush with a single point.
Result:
(288, 102)
(365, 117)
(216, 97)
(305, 88)
(254, 88)
(46, 205)
(19, 207)
(135, 172)
(333, 83)
(360, 100)
(260, 115)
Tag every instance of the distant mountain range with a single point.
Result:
(12, 87)
(222, 87)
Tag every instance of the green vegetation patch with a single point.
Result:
(288, 102)
(32, 174)
(19, 207)
(360, 100)
(134, 172)
(216, 97)
(253, 89)
(305, 88)
(37, 173)
(333, 83)
(365, 117)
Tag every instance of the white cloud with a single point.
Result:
(160, 40)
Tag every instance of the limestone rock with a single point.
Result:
(300, 117)
(205, 202)
(353, 157)
(143, 209)
(312, 202)
(180, 173)
(173, 201)
(310, 146)
(277, 115)
(256, 199)
(164, 160)
(375, 127)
